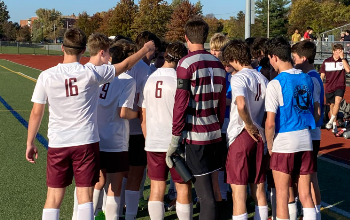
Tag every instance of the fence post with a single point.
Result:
(48, 49)
(18, 47)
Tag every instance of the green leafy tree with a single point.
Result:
(49, 23)
(4, 16)
(89, 24)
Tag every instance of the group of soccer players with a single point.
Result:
(233, 114)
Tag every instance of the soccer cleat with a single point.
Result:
(329, 125)
(171, 206)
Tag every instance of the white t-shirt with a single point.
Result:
(316, 133)
(287, 142)
(158, 98)
(140, 73)
(72, 93)
(113, 130)
(252, 85)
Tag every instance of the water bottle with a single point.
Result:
(181, 168)
(346, 135)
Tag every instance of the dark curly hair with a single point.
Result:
(237, 50)
(175, 52)
(280, 47)
(258, 47)
(121, 49)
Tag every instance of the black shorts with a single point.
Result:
(137, 153)
(316, 148)
(224, 151)
(203, 159)
(330, 97)
(114, 162)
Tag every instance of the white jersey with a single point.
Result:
(113, 130)
(287, 142)
(72, 93)
(158, 98)
(140, 73)
(252, 85)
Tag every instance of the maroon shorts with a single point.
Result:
(316, 146)
(157, 168)
(82, 161)
(299, 163)
(245, 162)
(114, 162)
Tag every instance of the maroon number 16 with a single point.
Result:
(68, 84)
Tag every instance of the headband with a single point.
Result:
(74, 47)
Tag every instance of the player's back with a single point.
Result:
(158, 98)
(71, 90)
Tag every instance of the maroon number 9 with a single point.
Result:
(159, 90)
(105, 88)
(69, 84)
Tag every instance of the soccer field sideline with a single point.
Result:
(34, 73)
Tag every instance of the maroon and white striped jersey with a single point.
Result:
(199, 113)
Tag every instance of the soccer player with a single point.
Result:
(137, 154)
(245, 134)
(159, 60)
(334, 69)
(289, 106)
(303, 56)
(157, 102)
(217, 43)
(71, 89)
(199, 113)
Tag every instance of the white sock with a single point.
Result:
(132, 204)
(240, 217)
(281, 219)
(184, 211)
(335, 125)
(142, 184)
(112, 205)
(273, 202)
(309, 213)
(51, 214)
(95, 199)
(86, 211)
(261, 213)
(222, 185)
(156, 210)
(75, 206)
(293, 211)
(122, 197)
(105, 190)
(332, 119)
(318, 212)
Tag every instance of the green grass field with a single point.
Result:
(23, 185)
(37, 49)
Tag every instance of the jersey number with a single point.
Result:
(105, 90)
(159, 90)
(71, 90)
(258, 92)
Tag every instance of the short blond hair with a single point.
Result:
(218, 41)
(97, 42)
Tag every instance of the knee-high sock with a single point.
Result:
(75, 206)
(293, 211)
(51, 214)
(86, 211)
(261, 213)
(96, 199)
(156, 210)
(273, 203)
(132, 203)
(222, 185)
(122, 197)
(240, 217)
(142, 185)
(309, 213)
(104, 198)
(112, 205)
(184, 211)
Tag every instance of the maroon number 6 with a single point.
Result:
(68, 84)
(159, 90)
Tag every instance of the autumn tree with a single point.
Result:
(9, 30)
(214, 24)
(182, 13)
(153, 15)
(24, 34)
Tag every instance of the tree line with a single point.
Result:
(167, 20)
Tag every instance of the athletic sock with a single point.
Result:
(142, 184)
(112, 205)
(222, 185)
(86, 211)
(156, 210)
(273, 202)
(183, 211)
(240, 217)
(75, 206)
(51, 214)
(104, 198)
(293, 211)
(132, 202)
(122, 197)
(309, 213)
(318, 212)
(332, 119)
(261, 213)
(95, 199)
